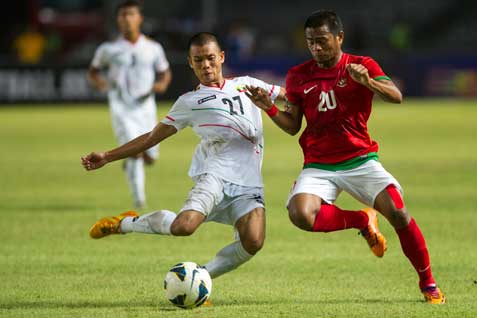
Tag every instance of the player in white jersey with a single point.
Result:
(136, 68)
(226, 166)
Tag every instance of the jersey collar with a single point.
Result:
(332, 71)
(139, 39)
(217, 87)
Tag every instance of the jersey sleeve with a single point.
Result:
(293, 95)
(273, 90)
(374, 70)
(179, 116)
(161, 64)
(100, 58)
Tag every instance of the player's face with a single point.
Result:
(323, 45)
(206, 61)
(129, 20)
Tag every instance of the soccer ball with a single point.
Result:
(187, 285)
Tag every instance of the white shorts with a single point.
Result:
(130, 122)
(221, 201)
(364, 183)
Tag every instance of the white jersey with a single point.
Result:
(230, 128)
(131, 70)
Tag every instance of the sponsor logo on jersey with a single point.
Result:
(206, 99)
(342, 82)
(241, 88)
(307, 90)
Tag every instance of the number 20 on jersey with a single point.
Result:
(327, 101)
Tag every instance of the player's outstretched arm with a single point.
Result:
(96, 160)
(383, 88)
(288, 120)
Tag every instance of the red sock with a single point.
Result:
(331, 218)
(414, 247)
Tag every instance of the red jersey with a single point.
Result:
(336, 109)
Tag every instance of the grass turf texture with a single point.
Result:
(49, 267)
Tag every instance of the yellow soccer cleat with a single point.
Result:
(109, 225)
(433, 295)
(375, 239)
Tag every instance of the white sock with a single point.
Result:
(158, 222)
(227, 259)
(137, 180)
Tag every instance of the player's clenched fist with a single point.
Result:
(358, 73)
(94, 160)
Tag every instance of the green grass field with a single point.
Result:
(49, 267)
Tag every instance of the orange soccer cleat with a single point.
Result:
(109, 225)
(433, 295)
(375, 239)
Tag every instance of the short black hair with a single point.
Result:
(325, 17)
(129, 3)
(203, 38)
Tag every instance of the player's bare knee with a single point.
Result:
(180, 228)
(399, 218)
(253, 244)
(302, 210)
(302, 218)
(292, 215)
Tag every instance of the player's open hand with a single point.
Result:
(259, 97)
(359, 73)
(94, 160)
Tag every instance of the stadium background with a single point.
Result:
(428, 47)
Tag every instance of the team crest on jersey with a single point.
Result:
(241, 88)
(342, 82)
(206, 99)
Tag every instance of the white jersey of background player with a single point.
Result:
(132, 63)
(226, 166)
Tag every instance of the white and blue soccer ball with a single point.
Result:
(188, 285)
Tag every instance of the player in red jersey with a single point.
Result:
(334, 91)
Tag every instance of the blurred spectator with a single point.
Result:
(240, 40)
(298, 39)
(400, 35)
(356, 34)
(53, 46)
(29, 46)
(274, 44)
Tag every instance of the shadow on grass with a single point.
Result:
(166, 307)
(52, 304)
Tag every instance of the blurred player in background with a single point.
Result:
(137, 69)
(226, 166)
(334, 92)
